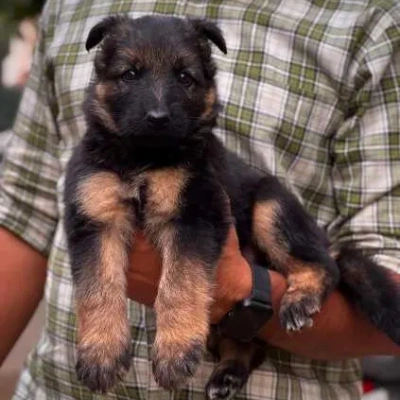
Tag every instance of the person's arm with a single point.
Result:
(22, 278)
(30, 172)
(338, 331)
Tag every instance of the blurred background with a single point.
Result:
(18, 19)
(18, 24)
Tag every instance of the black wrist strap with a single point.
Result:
(248, 316)
(261, 284)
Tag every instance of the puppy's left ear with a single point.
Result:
(210, 31)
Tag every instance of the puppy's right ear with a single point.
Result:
(99, 31)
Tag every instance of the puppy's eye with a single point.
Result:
(185, 79)
(130, 75)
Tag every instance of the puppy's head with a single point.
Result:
(154, 76)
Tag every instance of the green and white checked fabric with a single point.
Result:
(310, 91)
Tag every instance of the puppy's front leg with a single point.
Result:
(190, 248)
(99, 230)
(182, 309)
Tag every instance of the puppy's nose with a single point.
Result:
(158, 118)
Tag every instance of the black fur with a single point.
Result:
(167, 51)
(371, 289)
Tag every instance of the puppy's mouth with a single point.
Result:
(163, 131)
(165, 136)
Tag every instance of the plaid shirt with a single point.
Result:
(310, 91)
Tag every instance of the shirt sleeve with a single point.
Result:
(366, 149)
(30, 169)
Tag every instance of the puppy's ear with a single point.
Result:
(211, 32)
(99, 31)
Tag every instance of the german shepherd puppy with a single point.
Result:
(149, 161)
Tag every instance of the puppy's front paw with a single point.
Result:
(298, 308)
(175, 363)
(100, 368)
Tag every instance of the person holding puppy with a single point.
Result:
(309, 92)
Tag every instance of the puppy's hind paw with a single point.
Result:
(226, 381)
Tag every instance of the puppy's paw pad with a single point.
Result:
(101, 376)
(297, 310)
(172, 369)
(226, 382)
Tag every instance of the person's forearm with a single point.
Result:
(22, 278)
(338, 332)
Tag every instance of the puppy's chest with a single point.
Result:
(156, 195)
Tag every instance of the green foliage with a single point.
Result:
(11, 13)
(15, 10)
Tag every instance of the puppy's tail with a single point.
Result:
(372, 289)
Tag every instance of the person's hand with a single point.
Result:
(233, 275)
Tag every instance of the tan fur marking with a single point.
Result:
(210, 98)
(265, 235)
(148, 58)
(100, 197)
(301, 276)
(101, 108)
(305, 278)
(103, 335)
(183, 300)
(164, 192)
(114, 257)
